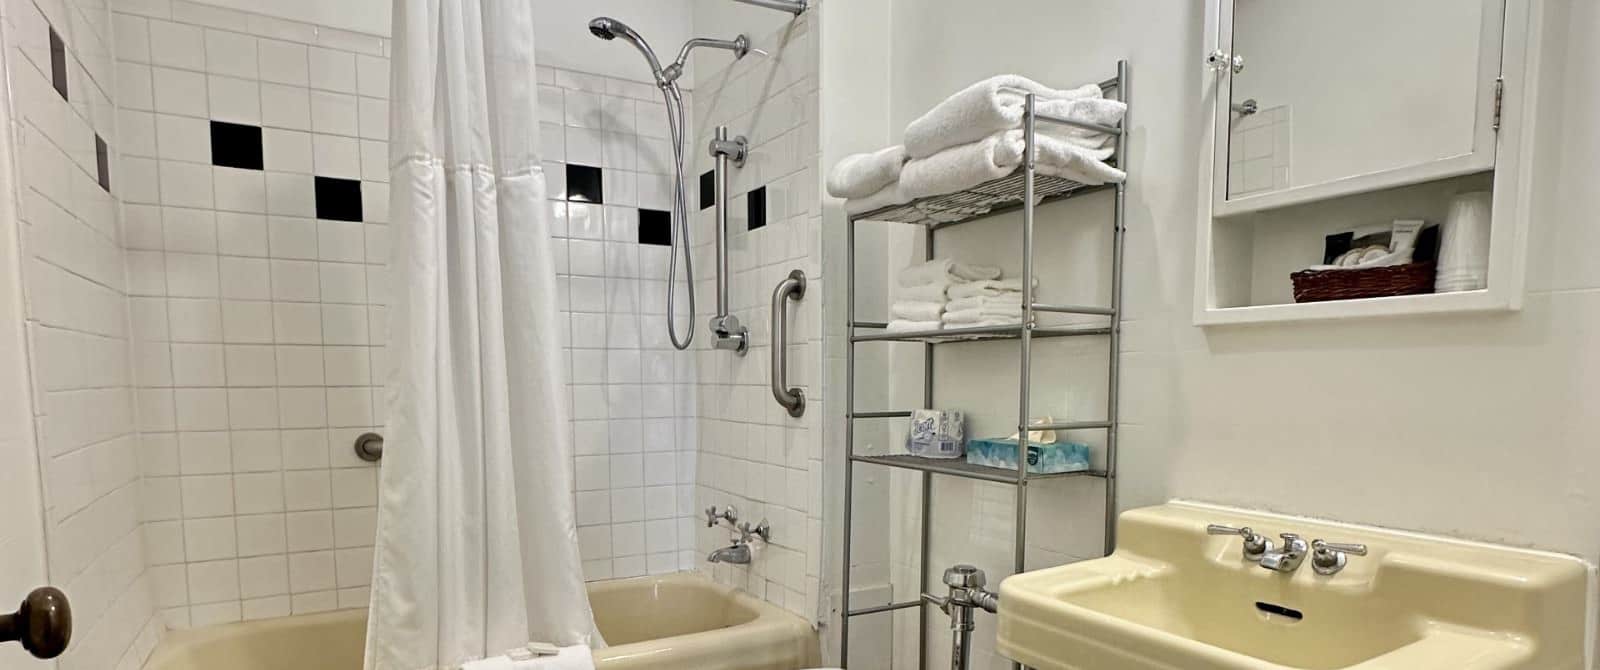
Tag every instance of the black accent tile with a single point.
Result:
(708, 190)
(338, 199)
(583, 183)
(235, 145)
(655, 227)
(755, 203)
(102, 162)
(58, 63)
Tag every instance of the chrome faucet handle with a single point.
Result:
(1293, 544)
(762, 530)
(1254, 545)
(728, 514)
(1328, 558)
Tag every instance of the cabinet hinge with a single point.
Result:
(1499, 98)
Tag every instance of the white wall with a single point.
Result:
(363, 16)
(1470, 426)
(564, 40)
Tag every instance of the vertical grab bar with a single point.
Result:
(793, 399)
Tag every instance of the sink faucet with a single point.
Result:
(1289, 559)
(738, 554)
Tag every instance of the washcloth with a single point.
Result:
(939, 269)
(916, 311)
(988, 288)
(907, 326)
(885, 197)
(1011, 301)
(962, 167)
(979, 110)
(575, 657)
(934, 292)
(861, 175)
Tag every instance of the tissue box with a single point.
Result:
(1043, 459)
(936, 434)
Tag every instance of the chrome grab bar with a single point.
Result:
(725, 328)
(793, 399)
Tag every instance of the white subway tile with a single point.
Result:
(234, 100)
(177, 45)
(333, 70)
(284, 62)
(284, 106)
(178, 91)
(231, 54)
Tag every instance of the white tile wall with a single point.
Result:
(752, 454)
(632, 394)
(257, 326)
(78, 329)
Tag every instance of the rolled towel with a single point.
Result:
(916, 311)
(938, 269)
(979, 110)
(907, 326)
(861, 175)
(887, 196)
(1100, 111)
(987, 288)
(1004, 303)
(923, 292)
(963, 167)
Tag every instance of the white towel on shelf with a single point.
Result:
(908, 326)
(1005, 303)
(916, 311)
(1100, 111)
(987, 288)
(861, 175)
(970, 316)
(944, 269)
(885, 197)
(968, 165)
(934, 292)
(575, 657)
(978, 110)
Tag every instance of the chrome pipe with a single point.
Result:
(725, 326)
(792, 398)
(1114, 365)
(1029, 153)
(929, 239)
(849, 438)
(795, 7)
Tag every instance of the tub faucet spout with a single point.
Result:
(738, 553)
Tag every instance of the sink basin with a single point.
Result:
(1174, 598)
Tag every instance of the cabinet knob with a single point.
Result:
(43, 623)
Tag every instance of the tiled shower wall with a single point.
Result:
(254, 179)
(609, 165)
(753, 454)
(62, 88)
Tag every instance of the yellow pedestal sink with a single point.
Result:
(1173, 597)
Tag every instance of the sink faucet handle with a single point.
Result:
(1254, 544)
(1294, 544)
(1328, 558)
(713, 516)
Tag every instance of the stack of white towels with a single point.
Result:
(975, 136)
(944, 293)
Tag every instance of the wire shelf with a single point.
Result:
(974, 334)
(986, 199)
(957, 467)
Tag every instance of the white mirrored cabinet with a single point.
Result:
(1363, 158)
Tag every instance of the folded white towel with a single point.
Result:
(575, 657)
(916, 311)
(907, 326)
(970, 316)
(983, 323)
(1007, 303)
(981, 109)
(939, 269)
(885, 197)
(861, 175)
(988, 288)
(1100, 111)
(922, 292)
(998, 155)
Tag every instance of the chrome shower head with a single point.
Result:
(607, 28)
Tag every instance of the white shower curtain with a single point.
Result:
(477, 545)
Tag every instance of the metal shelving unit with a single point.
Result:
(1022, 190)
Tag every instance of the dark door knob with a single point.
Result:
(43, 624)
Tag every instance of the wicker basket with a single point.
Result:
(1321, 285)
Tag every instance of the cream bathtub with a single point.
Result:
(674, 622)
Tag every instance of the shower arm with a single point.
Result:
(739, 46)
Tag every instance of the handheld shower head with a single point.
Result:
(607, 28)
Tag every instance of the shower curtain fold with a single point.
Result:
(477, 542)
